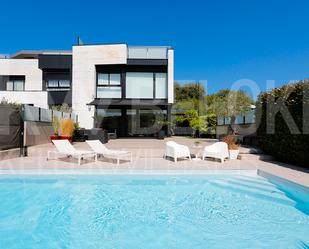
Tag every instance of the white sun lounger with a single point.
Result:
(217, 150)
(101, 149)
(64, 147)
(176, 150)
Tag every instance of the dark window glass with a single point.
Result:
(15, 85)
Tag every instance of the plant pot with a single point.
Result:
(233, 154)
(161, 134)
(54, 137)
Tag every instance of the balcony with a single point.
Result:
(147, 52)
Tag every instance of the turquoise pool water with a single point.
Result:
(209, 211)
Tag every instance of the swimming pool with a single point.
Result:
(154, 211)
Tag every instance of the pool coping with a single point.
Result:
(98, 172)
(126, 172)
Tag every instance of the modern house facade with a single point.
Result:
(119, 87)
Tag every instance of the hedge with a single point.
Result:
(284, 135)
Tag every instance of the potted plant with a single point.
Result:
(56, 127)
(67, 129)
(232, 145)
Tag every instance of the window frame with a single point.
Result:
(109, 80)
(154, 94)
(108, 85)
(14, 84)
(58, 84)
(155, 85)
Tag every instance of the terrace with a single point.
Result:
(148, 155)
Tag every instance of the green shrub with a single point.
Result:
(281, 134)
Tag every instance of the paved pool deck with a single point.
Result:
(148, 156)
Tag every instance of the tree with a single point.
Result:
(228, 103)
(189, 96)
(196, 122)
(189, 91)
(62, 108)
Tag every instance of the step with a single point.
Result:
(275, 196)
(255, 180)
(257, 157)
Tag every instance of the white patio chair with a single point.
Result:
(101, 149)
(175, 150)
(64, 147)
(217, 150)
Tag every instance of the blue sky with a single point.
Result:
(217, 41)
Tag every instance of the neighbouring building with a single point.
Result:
(117, 86)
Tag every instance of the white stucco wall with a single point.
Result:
(170, 79)
(37, 98)
(33, 93)
(27, 67)
(84, 75)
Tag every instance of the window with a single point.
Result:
(139, 85)
(108, 92)
(161, 86)
(108, 85)
(103, 79)
(64, 83)
(10, 85)
(15, 84)
(52, 83)
(58, 83)
(112, 79)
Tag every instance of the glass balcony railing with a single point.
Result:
(147, 52)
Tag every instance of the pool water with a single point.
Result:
(208, 211)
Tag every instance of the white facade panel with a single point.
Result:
(36, 98)
(27, 67)
(85, 58)
(170, 73)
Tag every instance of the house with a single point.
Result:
(120, 87)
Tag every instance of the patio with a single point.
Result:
(148, 155)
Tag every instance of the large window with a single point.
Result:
(161, 85)
(17, 84)
(109, 85)
(141, 85)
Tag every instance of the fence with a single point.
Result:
(25, 125)
(38, 124)
(10, 127)
(37, 114)
(249, 118)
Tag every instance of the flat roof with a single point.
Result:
(27, 54)
(23, 54)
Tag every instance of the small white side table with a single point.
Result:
(197, 150)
